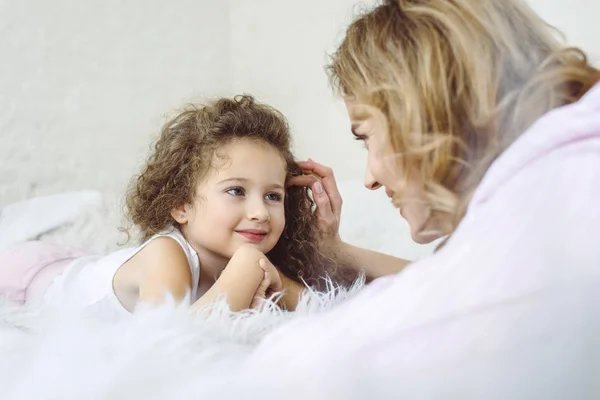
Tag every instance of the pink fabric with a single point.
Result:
(509, 280)
(27, 269)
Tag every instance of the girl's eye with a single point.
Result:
(273, 197)
(235, 191)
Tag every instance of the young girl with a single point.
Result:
(214, 214)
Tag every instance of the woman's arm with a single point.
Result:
(374, 264)
(321, 181)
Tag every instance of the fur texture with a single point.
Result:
(164, 354)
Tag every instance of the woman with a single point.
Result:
(483, 128)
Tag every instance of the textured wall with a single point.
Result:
(279, 50)
(84, 84)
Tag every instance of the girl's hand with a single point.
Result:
(320, 180)
(270, 284)
(241, 279)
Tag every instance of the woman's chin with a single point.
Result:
(421, 237)
(423, 231)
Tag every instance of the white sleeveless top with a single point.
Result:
(87, 283)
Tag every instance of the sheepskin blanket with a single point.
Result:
(167, 354)
(157, 354)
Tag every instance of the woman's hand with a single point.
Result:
(320, 180)
(271, 283)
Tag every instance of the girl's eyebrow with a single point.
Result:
(233, 180)
(246, 180)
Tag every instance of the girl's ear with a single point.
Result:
(180, 214)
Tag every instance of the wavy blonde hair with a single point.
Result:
(182, 157)
(459, 81)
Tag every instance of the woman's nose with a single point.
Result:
(370, 182)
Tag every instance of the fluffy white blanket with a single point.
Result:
(166, 354)
(158, 354)
(59, 354)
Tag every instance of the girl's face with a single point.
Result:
(241, 201)
(370, 126)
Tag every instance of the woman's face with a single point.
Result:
(370, 126)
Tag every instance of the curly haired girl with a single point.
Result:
(215, 216)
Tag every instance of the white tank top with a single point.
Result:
(87, 284)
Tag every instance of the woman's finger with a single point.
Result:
(328, 182)
(325, 211)
(303, 180)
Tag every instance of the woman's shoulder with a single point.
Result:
(565, 136)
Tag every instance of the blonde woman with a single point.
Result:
(481, 127)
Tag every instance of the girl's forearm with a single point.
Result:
(237, 283)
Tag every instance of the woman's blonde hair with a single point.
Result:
(459, 81)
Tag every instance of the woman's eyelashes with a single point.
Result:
(361, 138)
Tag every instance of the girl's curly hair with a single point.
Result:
(182, 156)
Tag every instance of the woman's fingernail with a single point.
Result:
(318, 188)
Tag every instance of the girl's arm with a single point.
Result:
(166, 271)
(239, 281)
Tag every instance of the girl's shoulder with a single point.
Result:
(160, 266)
(164, 255)
(170, 246)
(170, 242)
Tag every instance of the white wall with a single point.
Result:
(278, 51)
(84, 84)
(577, 19)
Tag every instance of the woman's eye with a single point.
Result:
(236, 191)
(361, 138)
(274, 197)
